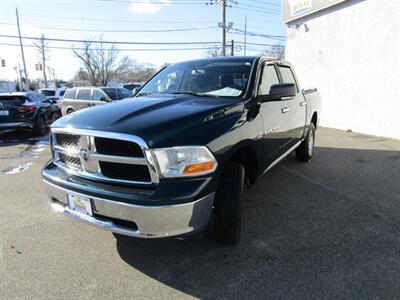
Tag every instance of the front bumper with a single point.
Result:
(137, 220)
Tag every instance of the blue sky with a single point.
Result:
(86, 19)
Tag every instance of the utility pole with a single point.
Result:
(42, 44)
(232, 47)
(22, 51)
(245, 34)
(223, 26)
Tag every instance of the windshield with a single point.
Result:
(47, 93)
(205, 78)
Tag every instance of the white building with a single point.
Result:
(350, 51)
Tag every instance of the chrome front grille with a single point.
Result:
(104, 156)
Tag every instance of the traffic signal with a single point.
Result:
(37, 67)
(3, 63)
(40, 67)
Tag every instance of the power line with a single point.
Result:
(127, 30)
(256, 10)
(112, 20)
(144, 49)
(109, 42)
(120, 49)
(265, 3)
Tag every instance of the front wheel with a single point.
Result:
(306, 149)
(228, 204)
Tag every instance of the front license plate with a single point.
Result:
(80, 204)
(3, 112)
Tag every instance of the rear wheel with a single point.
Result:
(39, 128)
(228, 204)
(70, 111)
(306, 149)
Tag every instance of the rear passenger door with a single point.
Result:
(296, 106)
(84, 98)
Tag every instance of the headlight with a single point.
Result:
(185, 161)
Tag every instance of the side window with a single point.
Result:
(97, 95)
(70, 94)
(62, 93)
(111, 92)
(287, 75)
(268, 78)
(123, 93)
(84, 94)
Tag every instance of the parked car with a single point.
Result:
(27, 110)
(180, 155)
(133, 87)
(83, 97)
(53, 94)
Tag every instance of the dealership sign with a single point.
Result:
(299, 6)
(294, 9)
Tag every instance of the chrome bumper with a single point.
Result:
(151, 221)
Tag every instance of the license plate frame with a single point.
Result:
(80, 204)
(4, 113)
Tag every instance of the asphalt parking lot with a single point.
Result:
(325, 229)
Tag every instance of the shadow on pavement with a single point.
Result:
(15, 137)
(329, 228)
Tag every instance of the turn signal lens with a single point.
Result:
(199, 168)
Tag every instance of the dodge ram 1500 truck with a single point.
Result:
(177, 156)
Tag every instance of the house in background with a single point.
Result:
(350, 51)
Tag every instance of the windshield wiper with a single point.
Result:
(192, 94)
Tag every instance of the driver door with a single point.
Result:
(275, 116)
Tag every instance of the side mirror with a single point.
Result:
(280, 91)
(103, 99)
(134, 91)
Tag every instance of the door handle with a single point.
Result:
(285, 110)
(303, 103)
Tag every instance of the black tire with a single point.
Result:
(39, 128)
(228, 204)
(56, 116)
(70, 111)
(306, 149)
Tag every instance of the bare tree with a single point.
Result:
(136, 72)
(276, 51)
(213, 52)
(43, 53)
(101, 61)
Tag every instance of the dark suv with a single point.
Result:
(83, 97)
(27, 110)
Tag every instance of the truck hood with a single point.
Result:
(161, 121)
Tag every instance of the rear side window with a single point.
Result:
(62, 93)
(269, 78)
(70, 94)
(287, 75)
(111, 92)
(123, 93)
(85, 94)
